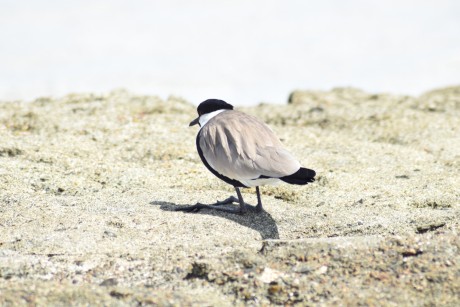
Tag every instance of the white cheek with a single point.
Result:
(206, 117)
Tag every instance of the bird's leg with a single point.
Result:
(244, 206)
(240, 200)
(259, 200)
(219, 205)
(231, 200)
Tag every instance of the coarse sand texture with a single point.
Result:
(89, 184)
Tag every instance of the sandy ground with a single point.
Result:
(88, 187)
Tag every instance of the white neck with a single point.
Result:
(206, 117)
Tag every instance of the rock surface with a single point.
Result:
(88, 184)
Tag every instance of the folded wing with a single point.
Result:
(241, 147)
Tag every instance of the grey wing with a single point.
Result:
(241, 147)
(275, 162)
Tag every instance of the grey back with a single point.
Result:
(241, 147)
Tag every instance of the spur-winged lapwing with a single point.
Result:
(244, 152)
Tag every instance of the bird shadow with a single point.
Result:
(261, 221)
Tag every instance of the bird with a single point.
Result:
(244, 152)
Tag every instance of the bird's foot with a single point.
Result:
(230, 200)
(236, 209)
(253, 208)
(233, 199)
(219, 206)
(240, 208)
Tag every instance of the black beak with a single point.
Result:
(195, 121)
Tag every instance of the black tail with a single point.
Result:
(302, 176)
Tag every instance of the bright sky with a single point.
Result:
(245, 52)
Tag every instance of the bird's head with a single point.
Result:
(208, 109)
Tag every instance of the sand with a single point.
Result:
(89, 183)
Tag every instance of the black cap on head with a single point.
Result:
(212, 105)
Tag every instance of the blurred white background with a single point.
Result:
(245, 52)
